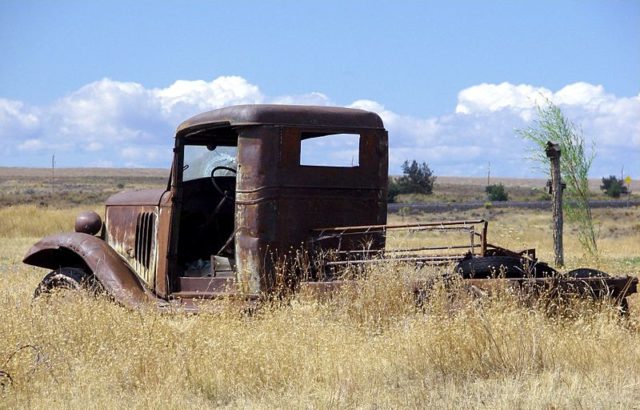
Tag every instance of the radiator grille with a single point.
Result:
(145, 249)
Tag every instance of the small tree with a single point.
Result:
(552, 125)
(613, 187)
(417, 178)
(496, 192)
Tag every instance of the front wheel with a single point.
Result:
(69, 279)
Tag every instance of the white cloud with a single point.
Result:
(582, 94)
(109, 118)
(113, 123)
(495, 97)
(94, 146)
(187, 98)
(14, 115)
(487, 115)
(32, 145)
(314, 98)
(409, 131)
(145, 154)
(18, 124)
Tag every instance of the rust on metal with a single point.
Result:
(240, 206)
(89, 252)
(88, 222)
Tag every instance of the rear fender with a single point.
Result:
(86, 251)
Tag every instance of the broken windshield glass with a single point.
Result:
(199, 161)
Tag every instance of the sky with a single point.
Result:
(106, 83)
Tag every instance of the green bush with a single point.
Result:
(417, 178)
(613, 187)
(496, 193)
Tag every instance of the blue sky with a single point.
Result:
(105, 83)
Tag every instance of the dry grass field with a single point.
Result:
(73, 186)
(365, 347)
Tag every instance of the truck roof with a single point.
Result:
(291, 115)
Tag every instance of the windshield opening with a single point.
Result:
(200, 160)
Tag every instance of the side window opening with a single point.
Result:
(330, 150)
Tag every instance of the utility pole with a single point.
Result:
(489, 174)
(53, 174)
(556, 187)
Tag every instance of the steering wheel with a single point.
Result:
(225, 194)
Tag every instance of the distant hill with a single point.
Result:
(594, 183)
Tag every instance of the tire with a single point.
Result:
(542, 269)
(490, 266)
(73, 279)
(582, 273)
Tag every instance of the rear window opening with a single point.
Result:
(331, 150)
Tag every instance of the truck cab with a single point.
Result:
(243, 194)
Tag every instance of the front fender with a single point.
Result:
(113, 272)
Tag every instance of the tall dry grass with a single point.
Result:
(37, 221)
(367, 346)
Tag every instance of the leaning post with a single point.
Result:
(555, 187)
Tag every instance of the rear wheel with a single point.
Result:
(490, 266)
(68, 279)
(585, 273)
(582, 273)
(503, 266)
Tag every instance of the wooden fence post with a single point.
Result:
(553, 153)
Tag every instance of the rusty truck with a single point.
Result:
(241, 197)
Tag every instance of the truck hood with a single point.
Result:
(137, 197)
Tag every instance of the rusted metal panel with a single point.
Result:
(279, 201)
(282, 115)
(132, 231)
(117, 277)
(162, 245)
(208, 287)
(256, 207)
(137, 197)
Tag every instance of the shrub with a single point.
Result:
(613, 187)
(496, 193)
(417, 178)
